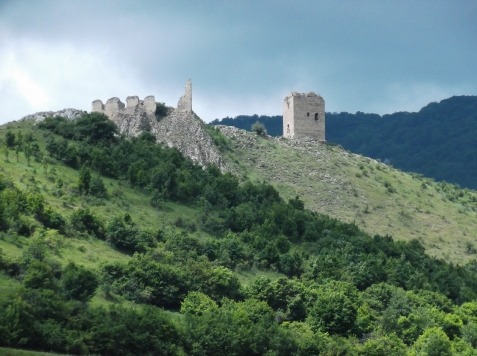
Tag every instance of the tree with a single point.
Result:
(95, 127)
(39, 275)
(97, 187)
(197, 303)
(10, 139)
(19, 141)
(44, 163)
(17, 152)
(259, 129)
(161, 110)
(334, 310)
(6, 151)
(27, 152)
(84, 180)
(433, 342)
(78, 282)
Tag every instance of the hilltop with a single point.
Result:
(353, 188)
(438, 141)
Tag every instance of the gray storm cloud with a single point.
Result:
(243, 57)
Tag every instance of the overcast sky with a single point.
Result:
(243, 57)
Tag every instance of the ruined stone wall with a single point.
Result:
(304, 116)
(185, 102)
(181, 128)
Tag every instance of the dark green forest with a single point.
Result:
(342, 291)
(438, 141)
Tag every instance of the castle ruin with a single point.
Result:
(185, 102)
(180, 128)
(115, 106)
(304, 116)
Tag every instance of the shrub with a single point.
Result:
(78, 283)
(161, 110)
(259, 129)
(97, 188)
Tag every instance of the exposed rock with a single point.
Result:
(180, 128)
(70, 114)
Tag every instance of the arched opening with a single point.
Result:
(307, 114)
(316, 116)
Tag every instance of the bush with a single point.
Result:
(10, 139)
(259, 129)
(161, 110)
(97, 188)
(78, 283)
(83, 220)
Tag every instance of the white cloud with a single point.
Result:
(36, 76)
(414, 96)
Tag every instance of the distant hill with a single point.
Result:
(438, 141)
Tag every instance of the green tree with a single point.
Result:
(27, 152)
(197, 303)
(17, 152)
(19, 141)
(39, 275)
(84, 180)
(78, 282)
(469, 333)
(383, 345)
(95, 127)
(6, 151)
(259, 129)
(334, 310)
(10, 139)
(433, 342)
(161, 110)
(44, 163)
(97, 187)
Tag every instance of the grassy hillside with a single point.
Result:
(85, 249)
(350, 187)
(122, 246)
(438, 141)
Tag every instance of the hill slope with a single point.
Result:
(438, 141)
(194, 255)
(350, 187)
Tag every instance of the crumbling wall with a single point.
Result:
(304, 116)
(181, 128)
(185, 102)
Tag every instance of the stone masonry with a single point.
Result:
(304, 116)
(181, 128)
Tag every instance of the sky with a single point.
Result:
(243, 56)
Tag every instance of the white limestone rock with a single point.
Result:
(70, 114)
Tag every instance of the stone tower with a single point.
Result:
(304, 116)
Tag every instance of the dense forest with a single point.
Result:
(341, 291)
(438, 141)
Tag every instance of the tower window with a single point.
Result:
(308, 114)
(316, 116)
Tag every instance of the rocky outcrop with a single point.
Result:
(180, 128)
(70, 114)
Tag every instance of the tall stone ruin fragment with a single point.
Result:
(181, 128)
(185, 102)
(304, 116)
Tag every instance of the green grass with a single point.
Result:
(352, 188)
(86, 250)
(8, 287)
